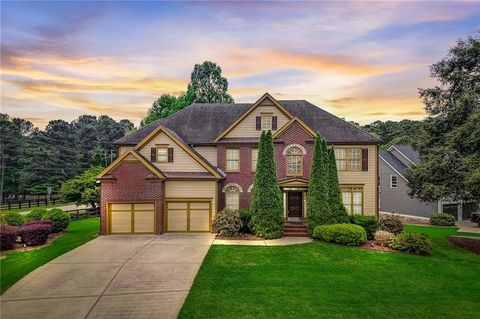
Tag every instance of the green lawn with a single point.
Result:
(17, 264)
(321, 280)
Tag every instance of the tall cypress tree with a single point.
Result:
(318, 208)
(336, 205)
(267, 202)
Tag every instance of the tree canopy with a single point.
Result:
(449, 144)
(83, 188)
(392, 132)
(32, 159)
(207, 85)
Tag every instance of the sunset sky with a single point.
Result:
(361, 61)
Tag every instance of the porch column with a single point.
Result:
(285, 205)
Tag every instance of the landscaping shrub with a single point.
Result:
(8, 236)
(346, 234)
(227, 223)
(442, 219)
(36, 214)
(383, 237)
(13, 219)
(246, 217)
(419, 244)
(59, 218)
(392, 224)
(35, 233)
(369, 223)
(49, 223)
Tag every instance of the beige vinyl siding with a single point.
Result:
(192, 189)
(123, 149)
(247, 127)
(209, 152)
(182, 161)
(365, 179)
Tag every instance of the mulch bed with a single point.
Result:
(373, 245)
(50, 239)
(240, 237)
(472, 244)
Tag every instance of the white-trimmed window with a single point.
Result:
(162, 154)
(393, 181)
(254, 154)
(352, 197)
(341, 156)
(294, 161)
(266, 123)
(233, 160)
(232, 197)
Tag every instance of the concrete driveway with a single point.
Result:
(141, 276)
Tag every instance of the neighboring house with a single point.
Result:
(174, 174)
(394, 196)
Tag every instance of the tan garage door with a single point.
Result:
(128, 218)
(188, 216)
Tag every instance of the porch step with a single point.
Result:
(295, 229)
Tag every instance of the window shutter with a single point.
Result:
(365, 159)
(259, 123)
(153, 154)
(274, 123)
(170, 155)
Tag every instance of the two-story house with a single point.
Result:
(176, 173)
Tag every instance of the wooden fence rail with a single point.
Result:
(82, 213)
(8, 205)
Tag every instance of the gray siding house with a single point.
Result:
(393, 190)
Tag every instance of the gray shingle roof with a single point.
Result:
(393, 161)
(201, 123)
(409, 152)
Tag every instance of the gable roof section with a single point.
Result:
(202, 123)
(393, 162)
(290, 123)
(152, 168)
(178, 140)
(408, 152)
(250, 110)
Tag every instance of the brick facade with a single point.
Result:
(130, 186)
(295, 134)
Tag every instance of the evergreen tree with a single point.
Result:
(336, 205)
(267, 201)
(318, 209)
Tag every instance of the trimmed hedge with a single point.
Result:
(246, 217)
(59, 218)
(13, 219)
(8, 236)
(392, 224)
(419, 244)
(442, 219)
(369, 223)
(227, 223)
(36, 214)
(35, 233)
(345, 234)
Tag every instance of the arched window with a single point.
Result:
(232, 197)
(294, 161)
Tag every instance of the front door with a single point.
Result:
(294, 204)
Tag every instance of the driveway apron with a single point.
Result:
(121, 276)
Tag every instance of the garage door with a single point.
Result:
(188, 216)
(127, 218)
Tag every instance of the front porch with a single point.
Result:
(294, 206)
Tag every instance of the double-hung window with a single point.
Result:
(294, 161)
(352, 197)
(266, 122)
(348, 159)
(254, 154)
(232, 198)
(162, 154)
(232, 160)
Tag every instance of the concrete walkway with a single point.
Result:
(269, 242)
(467, 226)
(112, 277)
